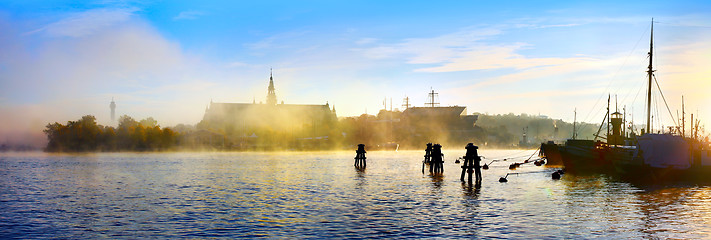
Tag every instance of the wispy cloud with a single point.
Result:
(188, 15)
(85, 23)
(278, 41)
(431, 50)
(364, 41)
(465, 50)
(542, 26)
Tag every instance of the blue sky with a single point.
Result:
(60, 60)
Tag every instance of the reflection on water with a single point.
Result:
(307, 195)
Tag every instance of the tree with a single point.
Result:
(149, 122)
(85, 135)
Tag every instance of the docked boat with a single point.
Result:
(649, 156)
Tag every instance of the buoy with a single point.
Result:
(503, 179)
(555, 175)
(513, 166)
(486, 166)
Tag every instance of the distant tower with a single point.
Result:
(406, 105)
(431, 99)
(271, 96)
(113, 110)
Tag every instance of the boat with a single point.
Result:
(656, 157)
(662, 156)
(579, 155)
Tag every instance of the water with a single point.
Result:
(321, 195)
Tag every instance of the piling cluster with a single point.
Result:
(360, 157)
(437, 160)
(434, 159)
(472, 164)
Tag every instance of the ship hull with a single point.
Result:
(584, 156)
(551, 153)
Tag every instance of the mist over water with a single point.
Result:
(321, 195)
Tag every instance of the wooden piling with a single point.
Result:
(428, 155)
(472, 164)
(360, 156)
(437, 159)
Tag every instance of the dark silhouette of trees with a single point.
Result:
(86, 135)
(377, 132)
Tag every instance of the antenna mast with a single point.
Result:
(683, 118)
(575, 117)
(650, 71)
(431, 98)
(407, 102)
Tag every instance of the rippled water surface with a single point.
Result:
(321, 195)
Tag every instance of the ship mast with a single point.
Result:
(650, 71)
(432, 103)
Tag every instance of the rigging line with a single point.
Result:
(637, 95)
(624, 99)
(659, 117)
(534, 153)
(584, 127)
(657, 121)
(656, 64)
(587, 117)
(514, 154)
(683, 25)
(665, 100)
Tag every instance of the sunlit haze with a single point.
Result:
(60, 60)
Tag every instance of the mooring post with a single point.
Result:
(437, 159)
(465, 166)
(428, 155)
(360, 156)
(477, 164)
(472, 164)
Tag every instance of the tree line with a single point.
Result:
(86, 135)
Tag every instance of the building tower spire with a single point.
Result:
(113, 109)
(271, 95)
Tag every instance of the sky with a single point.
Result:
(60, 60)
